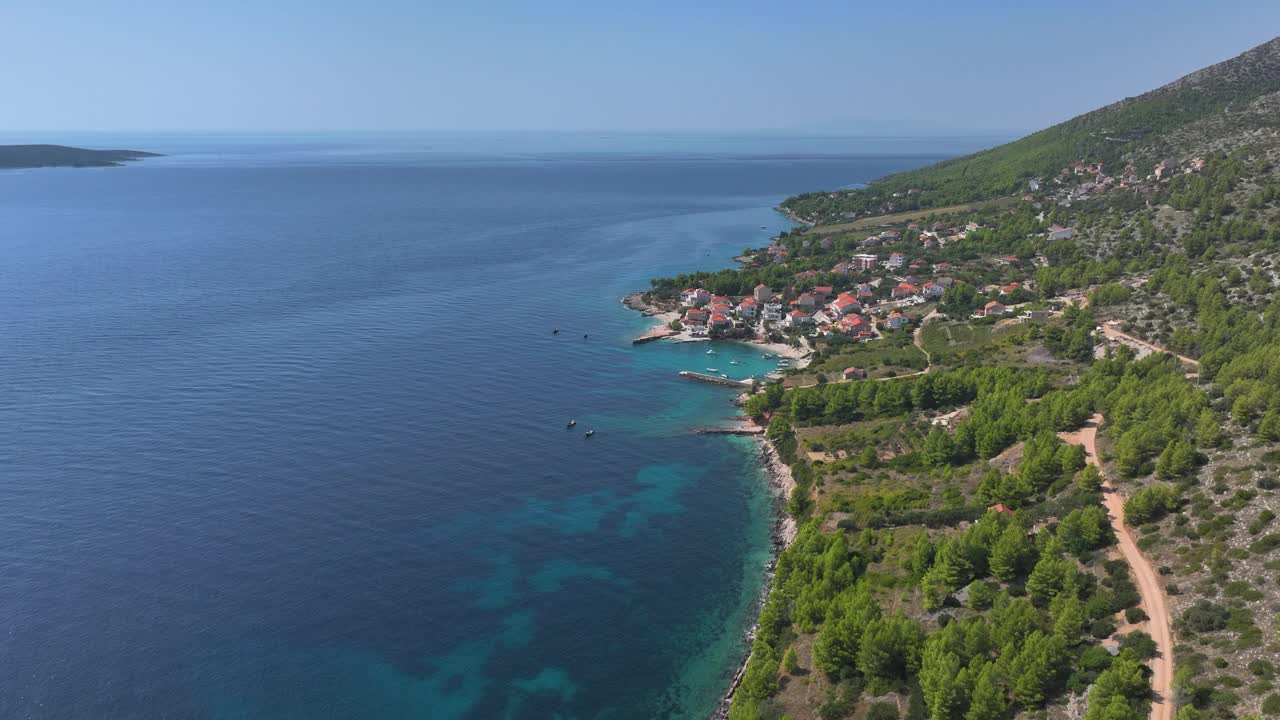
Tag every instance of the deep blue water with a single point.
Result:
(282, 426)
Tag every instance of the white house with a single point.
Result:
(993, 308)
(747, 308)
(796, 319)
(897, 321)
(845, 304)
(772, 312)
(695, 297)
(933, 290)
(904, 289)
(762, 293)
(1057, 232)
(896, 260)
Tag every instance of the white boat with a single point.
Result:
(734, 362)
(726, 377)
(711, 352)
(712, 370)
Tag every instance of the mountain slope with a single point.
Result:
(1230, 96)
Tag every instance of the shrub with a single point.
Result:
(1205, 616)
(1140, 644)
(1104, 626)
(883, 711)
(1134, 615)
(1271, 705)
(1262, 668)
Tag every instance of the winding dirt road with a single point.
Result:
(1112, 333)
(1153, 600)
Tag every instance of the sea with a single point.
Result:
(283, 423)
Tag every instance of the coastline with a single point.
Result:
(664, 316)
(777, 473)
(783, 533)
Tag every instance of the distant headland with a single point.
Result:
(37, 156)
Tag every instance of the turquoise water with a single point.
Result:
(283, 426)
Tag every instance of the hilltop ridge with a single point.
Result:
(1219, 108)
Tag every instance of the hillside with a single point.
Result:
(960, 556)
(35, 156)
(1215, 107)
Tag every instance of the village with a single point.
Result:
(881, 294)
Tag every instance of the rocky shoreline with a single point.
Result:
(783, 534)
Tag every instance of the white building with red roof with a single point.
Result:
(845, 304)
(896, 321)
(933, 290)
(695, 297)
(905, 289)
(856, 327)
(994, 308)
(720, 321)
(853, 373)
(896, 260)
(1058, 232)
(748, 308)
(796, 318)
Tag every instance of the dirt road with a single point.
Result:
(1113, 333)
(1153, 600)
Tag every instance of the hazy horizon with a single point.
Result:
(396, 66)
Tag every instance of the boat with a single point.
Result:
(590, 433)
(734, 362)
(711, 352)
(712, 370)
(571, 423)
(584, 336)
(555, 331)
(726, 377)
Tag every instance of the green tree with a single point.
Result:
(1269, 427)
(890, 649)
(988, 699)
(943, 680)
(1177, 460)
(1090, 480)
(760, 680)
(1032, 671)
(1208, 429)
(756, 405)
(1011, 553)
(790, 663)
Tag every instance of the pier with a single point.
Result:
(656, 333)
(715, 379)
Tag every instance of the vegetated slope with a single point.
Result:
(1233, 96)
(33, 156)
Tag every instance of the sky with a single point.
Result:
(831, 66)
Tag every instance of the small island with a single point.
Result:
(39, 156)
